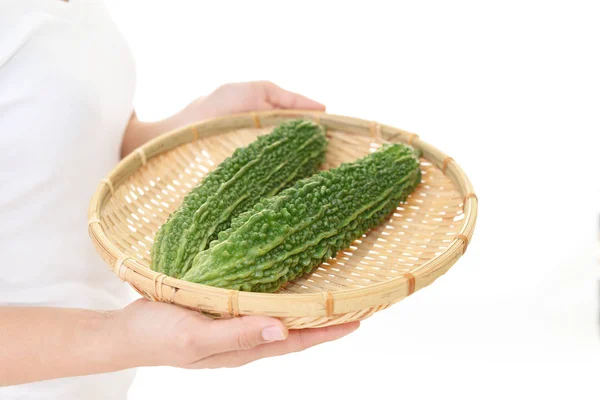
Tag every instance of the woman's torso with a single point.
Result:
(66, 88)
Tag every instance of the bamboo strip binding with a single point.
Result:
(391, 262)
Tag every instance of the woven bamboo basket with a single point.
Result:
(423, 238)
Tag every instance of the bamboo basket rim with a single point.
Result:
(126, 264)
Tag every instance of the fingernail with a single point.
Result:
(272, 333)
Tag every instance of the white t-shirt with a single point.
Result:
(66, 88)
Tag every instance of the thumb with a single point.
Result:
(281, 98)
(243, 333)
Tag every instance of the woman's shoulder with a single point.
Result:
(19, 22)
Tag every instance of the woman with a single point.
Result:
(66, 117)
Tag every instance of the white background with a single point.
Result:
(511, 91)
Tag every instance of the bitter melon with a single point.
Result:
(292, 151)
(287, 235)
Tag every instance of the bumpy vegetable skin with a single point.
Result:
(287, 235)
(293, 150)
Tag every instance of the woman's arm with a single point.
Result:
(38, 343)
(228, 99)
(42, 343)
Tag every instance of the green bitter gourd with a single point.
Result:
(292, 151)
(287, 235)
